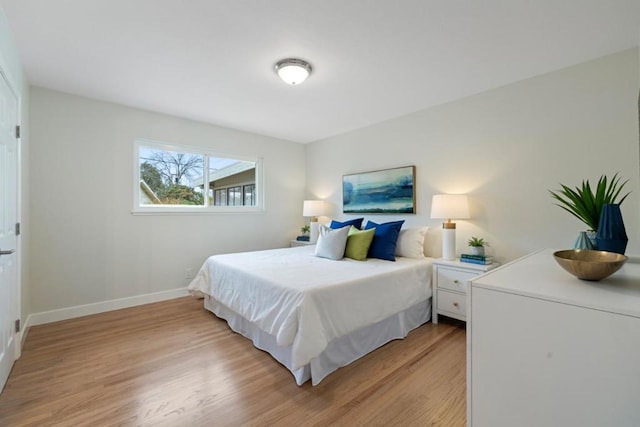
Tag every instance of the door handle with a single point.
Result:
(9, 252)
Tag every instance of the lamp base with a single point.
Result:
(314, 231)
(449, 244)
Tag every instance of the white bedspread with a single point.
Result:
(306, 301)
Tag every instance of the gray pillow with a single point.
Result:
(332, 242)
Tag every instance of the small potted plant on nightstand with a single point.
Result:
(305, 234)
(476, 246)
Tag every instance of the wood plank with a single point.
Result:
(173, 363)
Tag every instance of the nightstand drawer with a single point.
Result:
(453, 303)
(455, 280)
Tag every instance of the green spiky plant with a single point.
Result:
(477, 242)
(585, 204)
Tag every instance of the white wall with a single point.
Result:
(87, 247)
(505, 148)
(12, 67)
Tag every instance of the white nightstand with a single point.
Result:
(295, 243)
(450, 282)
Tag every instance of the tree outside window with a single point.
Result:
(169, 173)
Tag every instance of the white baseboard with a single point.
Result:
(99, 307)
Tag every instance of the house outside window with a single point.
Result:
(249, 192)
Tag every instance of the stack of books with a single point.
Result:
(476, 259)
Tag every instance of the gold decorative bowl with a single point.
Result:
(590, 265)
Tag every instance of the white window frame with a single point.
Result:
(206, 208)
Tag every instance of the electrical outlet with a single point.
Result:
(188, 273)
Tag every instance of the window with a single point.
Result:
(249, 192)
(171, 178)
(220, 197)
(239, 195)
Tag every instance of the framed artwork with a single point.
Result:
(385, 191)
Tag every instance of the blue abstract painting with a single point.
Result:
(384, 191)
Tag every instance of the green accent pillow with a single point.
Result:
(358, 243)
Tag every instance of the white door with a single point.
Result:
(9, 298)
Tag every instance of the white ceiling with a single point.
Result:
(212, 60)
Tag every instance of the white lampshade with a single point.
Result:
(450, 206)
(293, 71)
(313, 208)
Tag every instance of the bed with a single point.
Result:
(315, 315)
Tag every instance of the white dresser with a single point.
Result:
(547, 349)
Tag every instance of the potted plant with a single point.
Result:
(476, 245)
(586, 204)
(305, 233)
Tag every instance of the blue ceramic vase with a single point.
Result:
(583, 242)
(611, 236)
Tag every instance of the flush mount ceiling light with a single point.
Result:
(292, 70)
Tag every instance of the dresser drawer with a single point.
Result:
(455, 280)
(453, 303)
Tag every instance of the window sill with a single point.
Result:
(196, 210)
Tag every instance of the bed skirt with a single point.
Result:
(340, 352)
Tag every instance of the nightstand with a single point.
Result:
(450, 282)
(295, 243)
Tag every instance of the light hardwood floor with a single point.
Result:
(175, 364)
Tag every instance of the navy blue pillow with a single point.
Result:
(357, 223)
(385, 239)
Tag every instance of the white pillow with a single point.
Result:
(411, 242)
(331, 243)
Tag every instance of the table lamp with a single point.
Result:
(449, 206)
(313, 209)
